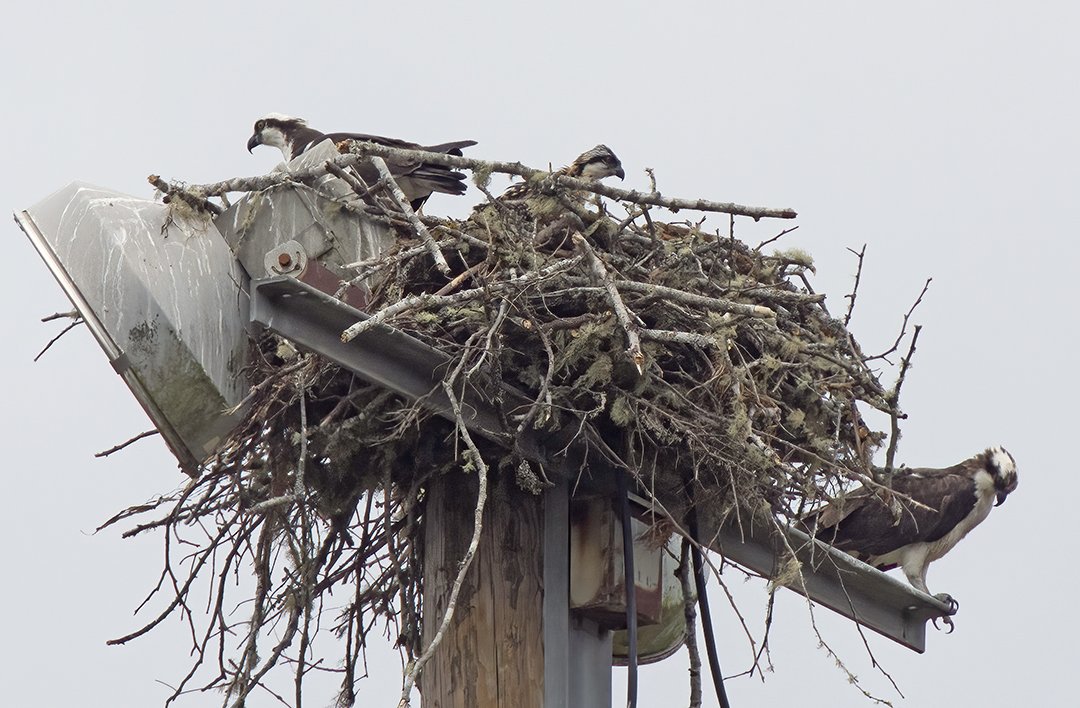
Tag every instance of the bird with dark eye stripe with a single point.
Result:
(598, 163)
(417, 179)
(594, 164)
(537, 210)
(918, 515)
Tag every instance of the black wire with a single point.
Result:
(706, 620)
(631, 594)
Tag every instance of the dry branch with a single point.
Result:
(571, 183)
(893, 398)
(403, 204)
(193, 196)
(903, 324)
(626, 320)
(360, 151)
(690, 613)
(861, 255)
(121, 446)
(426, 301)
(710, 303)
(76, 320)
(71, 314)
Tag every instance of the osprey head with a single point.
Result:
(598, 163)
(1002, 467)
(275, 129)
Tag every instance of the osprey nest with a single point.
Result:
(707, 369)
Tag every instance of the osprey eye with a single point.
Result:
(259, 125)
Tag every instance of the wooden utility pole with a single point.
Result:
(493, 653)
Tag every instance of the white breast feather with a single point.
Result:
(984, 501)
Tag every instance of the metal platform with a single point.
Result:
(390, 358)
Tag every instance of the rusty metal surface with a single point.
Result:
(597, 584)
(659, 641)
(163, 297)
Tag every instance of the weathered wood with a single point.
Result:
(493, 653)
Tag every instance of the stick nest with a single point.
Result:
(706, 368)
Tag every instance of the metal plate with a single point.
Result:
(327, 223)
(163, 297)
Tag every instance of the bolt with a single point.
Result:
(284, 260)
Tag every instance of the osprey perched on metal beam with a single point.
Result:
(948, 503)
(594, 164)
(417, 179)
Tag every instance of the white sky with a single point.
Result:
(943, 135)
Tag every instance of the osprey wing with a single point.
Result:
(416, 178)
(451, 148)
(951, 495)
(926, 505)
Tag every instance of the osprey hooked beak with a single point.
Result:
(619, 173)
(1001, 497)
(254, 140)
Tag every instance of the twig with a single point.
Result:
(690, 613)
(460, 278)
(359, 149)
(406, 209)
(286, 640)
(666, 335)
(903, 325)
(263, 507)
(121, 446)
(893, 397)
(653, 198)
(777, 237)
(855, 288)
(567, 221)
(370, 266)
(191, 195)
(73, 314)
(800, 578)
(862, 635)
(354, 181)
(712, 303)
(542, 401)
(423, 301)
(299, 484)
(622, 313)
(71, 325)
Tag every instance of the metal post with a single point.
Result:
(577, 651)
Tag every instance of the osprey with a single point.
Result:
(595, 164)
(948, 503)
(417, 179)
